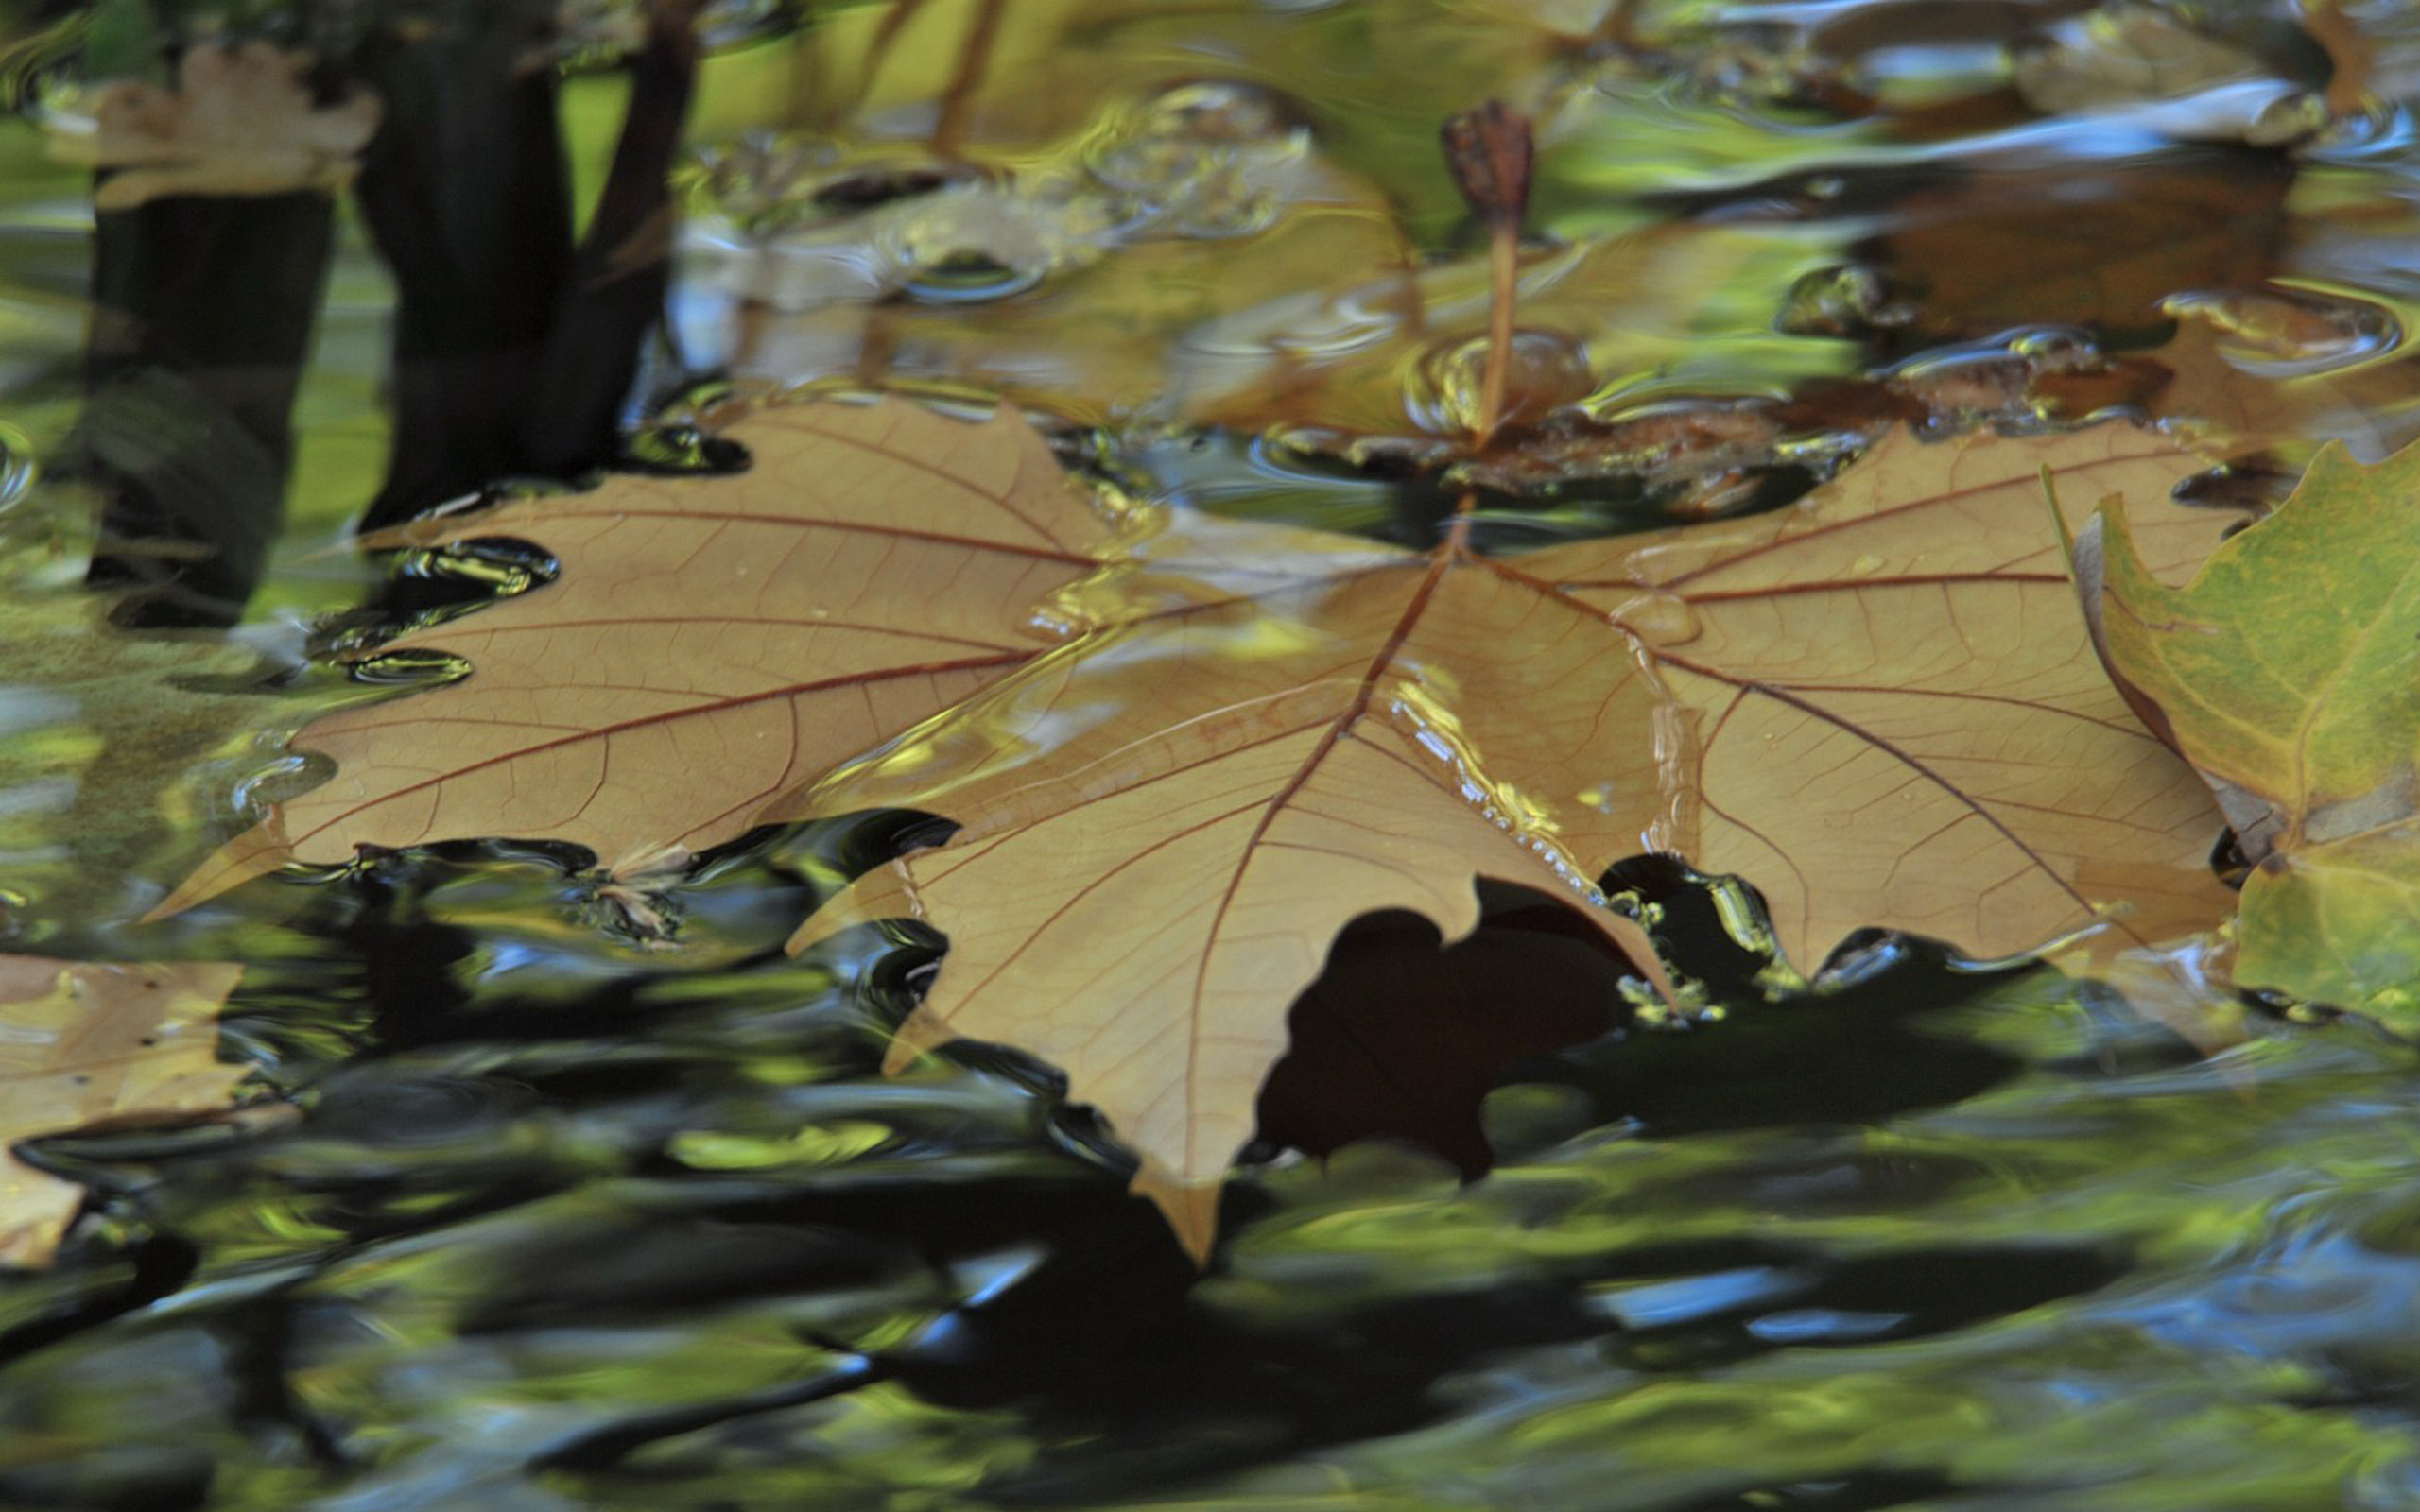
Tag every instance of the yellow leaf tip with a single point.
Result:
(918, 1034)
(885, 892)
(1191, 1209)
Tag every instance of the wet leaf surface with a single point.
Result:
(598, 708)
(1249, 735)
(2257, 371)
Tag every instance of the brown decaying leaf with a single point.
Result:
(2350, 55)
(240, 121)
(1169, 211)
(2274, 368)
(1391, 349)
(2153, 63)
(1879, 705)
(84, 1044)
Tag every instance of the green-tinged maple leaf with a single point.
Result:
(1183, 753)
(2288, 673)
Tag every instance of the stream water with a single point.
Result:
(541, 1218)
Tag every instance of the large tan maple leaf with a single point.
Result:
(1880, 705)
(1182, 752)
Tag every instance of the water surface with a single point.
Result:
(560, 1221)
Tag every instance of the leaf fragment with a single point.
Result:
(240, 121)
(83, 1044)
(2132, 54)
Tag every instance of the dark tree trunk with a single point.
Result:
(203, 311)
(515, 351)
(616, 291)
(465, 190)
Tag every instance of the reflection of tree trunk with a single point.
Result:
(202, 324)
(624, 269)
(465, 189)
(515, 352)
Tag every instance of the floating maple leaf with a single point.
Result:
(1184, 753)
(84, 1044)
(240, 121)
(1878, 705)
(2284, 672)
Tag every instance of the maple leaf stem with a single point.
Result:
(1489, 150)
(1457, 534)
(1504, 290)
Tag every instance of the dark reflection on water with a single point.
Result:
(561, 1222)
(561, 1226)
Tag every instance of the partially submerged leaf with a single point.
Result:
(2278, 368)
(2351, 56)
(2022, 237)
(2133, 55)
(1178, 776)
(1063, 282)
(83, 1044)
(1375, 76)
(2121, 54)
(2287, 673)
(240, 121)
(1392, 349)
